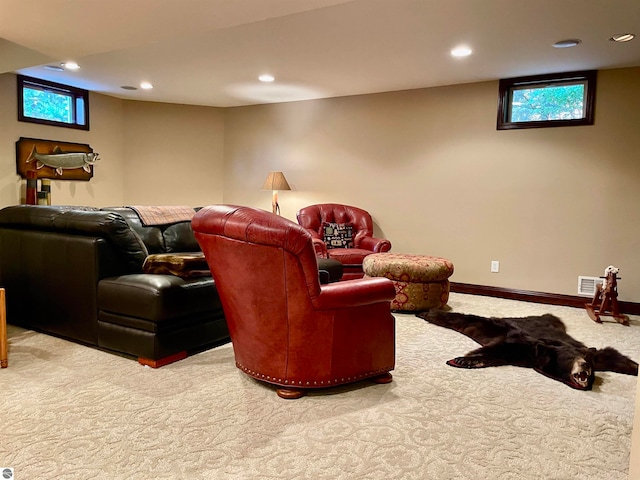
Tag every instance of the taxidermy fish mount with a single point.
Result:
(60, 161)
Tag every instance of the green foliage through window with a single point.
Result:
(47, 105)
(40, 101)
(547, 101)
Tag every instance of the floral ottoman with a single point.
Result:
(421, 282)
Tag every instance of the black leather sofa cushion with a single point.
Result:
(179, 237)
(176, 237)
(157, 298)
(330, 270)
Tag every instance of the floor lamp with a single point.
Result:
(275, 181)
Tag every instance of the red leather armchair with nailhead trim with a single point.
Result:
(315, 218)
(286, 328)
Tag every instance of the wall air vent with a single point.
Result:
(587, 285)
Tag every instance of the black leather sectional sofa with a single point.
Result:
(77, 273)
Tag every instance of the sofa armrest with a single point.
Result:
(320, 247)
(376, 245)
(52, 279)
(354, 293)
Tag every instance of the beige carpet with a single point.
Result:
(71, 412)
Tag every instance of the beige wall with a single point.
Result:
(173, 154)
(549, 204)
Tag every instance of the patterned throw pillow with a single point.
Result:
(338, 235)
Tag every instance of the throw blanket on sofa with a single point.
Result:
(150, 216)
(185, 265)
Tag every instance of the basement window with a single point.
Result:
(555, 100)
(55, 104)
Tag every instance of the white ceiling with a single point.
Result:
(210, 52)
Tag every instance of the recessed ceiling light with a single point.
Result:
(146, 86)
(461, 51)
(70, 66)
(54, 67)
(568, 43)
(622, 37)
(266, 78)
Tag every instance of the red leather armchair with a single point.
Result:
(286, 328)
(315, 217)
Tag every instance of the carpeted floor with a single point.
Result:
(71, 412)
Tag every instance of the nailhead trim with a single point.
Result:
(309, 383)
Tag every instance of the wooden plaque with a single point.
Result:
(24, 147)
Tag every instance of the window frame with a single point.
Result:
(73, 92)
(508, 85)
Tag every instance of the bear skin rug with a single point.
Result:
(538, 342)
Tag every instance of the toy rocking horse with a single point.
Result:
(605, 300)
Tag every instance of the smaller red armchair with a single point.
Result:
(343, 233)
(286, 328)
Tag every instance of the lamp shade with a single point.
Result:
(276, 181)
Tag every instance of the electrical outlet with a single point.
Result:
(495, 266)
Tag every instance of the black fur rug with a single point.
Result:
(538, 342)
